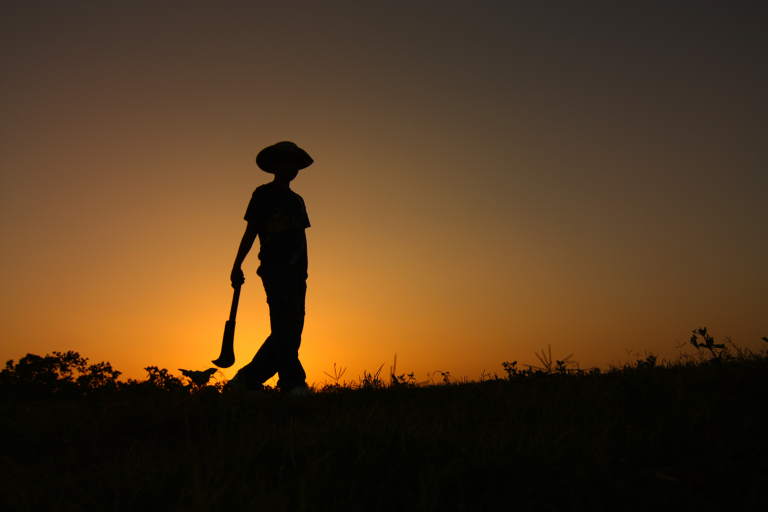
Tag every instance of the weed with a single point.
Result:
(337, 375)
(716, 349)
(547, 362)
(511, 369)
(161, 378)
(199, 379)
(445, 375)
(404, 379)
(372, 381)
(649, 361)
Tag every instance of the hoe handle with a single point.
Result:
(235, 300)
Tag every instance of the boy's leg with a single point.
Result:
(286, 292)
(262, 367)
(289, 368)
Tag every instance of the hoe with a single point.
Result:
(227, 357)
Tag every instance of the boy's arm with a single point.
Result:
(237, 276)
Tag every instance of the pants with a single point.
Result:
(286, 292)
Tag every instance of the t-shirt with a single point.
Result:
(281, 218)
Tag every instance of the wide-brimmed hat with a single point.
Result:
(268, 157)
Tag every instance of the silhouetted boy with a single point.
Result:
(278, 216)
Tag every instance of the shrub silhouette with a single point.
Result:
(161, 378)
(60, 373)
(69, 374)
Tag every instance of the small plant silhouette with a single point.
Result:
(446, 377)
(406, 379)
(198, 379)
(547, 362)
(511, 369)
(162, 378)
(337, 374)
(717, 349)
(648, 362)
(372, 381)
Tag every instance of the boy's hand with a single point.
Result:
(237, 277)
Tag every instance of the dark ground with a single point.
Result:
(683, 436)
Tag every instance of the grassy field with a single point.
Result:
(688, 434)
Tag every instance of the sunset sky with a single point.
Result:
(490, 178)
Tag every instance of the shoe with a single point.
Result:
(237, 383)
(300, 391)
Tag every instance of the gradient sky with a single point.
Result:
(489, 178)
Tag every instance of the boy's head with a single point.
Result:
(285, 158)
(286, 169)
